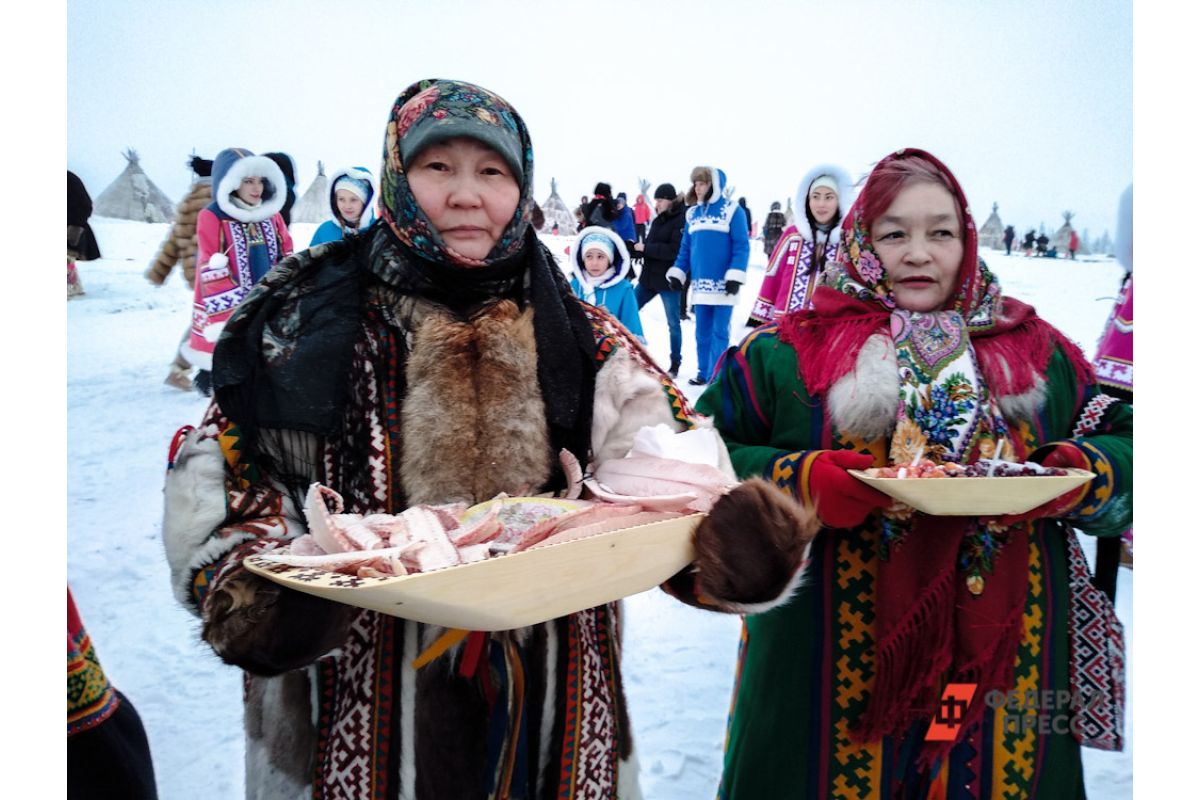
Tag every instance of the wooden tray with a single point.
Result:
(977, 497)
(516, 590)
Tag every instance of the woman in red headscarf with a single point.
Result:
(852, 635)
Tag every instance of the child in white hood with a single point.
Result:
(350, 194)
(598, 263)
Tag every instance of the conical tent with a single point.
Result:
(1061, 240)
(313, 206)
(134, 196)
(556, 211)
(992, 233)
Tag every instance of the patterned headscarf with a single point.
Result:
(432, 110)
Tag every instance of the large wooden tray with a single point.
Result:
(977, 497)
(515, 590)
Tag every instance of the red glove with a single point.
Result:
(1059, 454)
(840, 499)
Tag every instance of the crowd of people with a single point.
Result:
(426, 348)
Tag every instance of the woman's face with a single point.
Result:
(823, 203)
(920, 243)
(701, 188)
(349, 205)
(250, 190)
(596, 263)
(467, 190)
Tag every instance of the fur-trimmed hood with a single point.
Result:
(620, 260)
(846, 194)
(368, 214)
(230, 167)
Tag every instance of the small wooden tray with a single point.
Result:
(512, 591)
(977, 497)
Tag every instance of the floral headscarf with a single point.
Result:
(465, 110)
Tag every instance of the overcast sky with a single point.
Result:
(1030, 103)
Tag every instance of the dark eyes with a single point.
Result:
(441, 166)
(941, 233)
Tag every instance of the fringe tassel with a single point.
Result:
(914, 655)
(827, 347)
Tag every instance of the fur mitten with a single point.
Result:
(751, 546)
(267, 629)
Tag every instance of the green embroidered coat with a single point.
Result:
(806, 666)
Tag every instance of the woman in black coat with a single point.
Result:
(659, 251)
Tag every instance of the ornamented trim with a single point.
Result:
(588, 761)
(1097, 658)
(1092, 414)
(611, 337)
(91, 699)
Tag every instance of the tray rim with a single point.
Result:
(1079, 476)
(321, 585)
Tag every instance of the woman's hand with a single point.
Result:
(1058, 454)
(266, 629)
(840, 499)
(751, 544)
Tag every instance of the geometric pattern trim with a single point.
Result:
(1097, 659)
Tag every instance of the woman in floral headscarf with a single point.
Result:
(909, 348)
(437, 357)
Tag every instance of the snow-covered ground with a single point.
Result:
(679, 662)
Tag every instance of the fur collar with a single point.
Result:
(474, 421)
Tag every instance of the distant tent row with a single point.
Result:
(991, 234)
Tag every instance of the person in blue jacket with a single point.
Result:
(714, 253)
(599, 259)
(350, 193)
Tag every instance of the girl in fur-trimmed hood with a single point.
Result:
(798, 257)
(240, 236)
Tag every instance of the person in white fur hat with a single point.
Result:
(796, 261)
